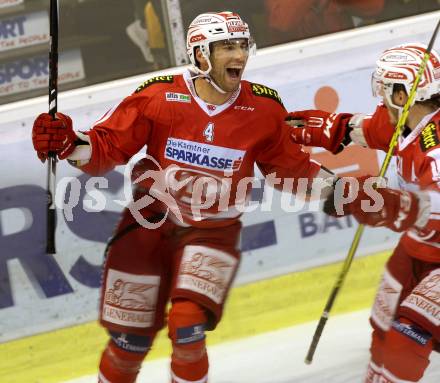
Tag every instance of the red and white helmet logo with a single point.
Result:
(236, 26)
(197, 38)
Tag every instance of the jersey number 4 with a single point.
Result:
(208, 133)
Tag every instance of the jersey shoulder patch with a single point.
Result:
(429, 137)
(155, 80)
(264, 91)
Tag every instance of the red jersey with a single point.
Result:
(418, 168)
(213, 147)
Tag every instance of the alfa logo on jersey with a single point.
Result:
(177, 97)
(204, 155)
(264, 91)
(429, 137)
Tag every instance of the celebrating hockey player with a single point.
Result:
(406, 314)
(204, 125)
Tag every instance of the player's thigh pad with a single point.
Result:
(386, 301)
(396, 282)
(135, 282)
(205, 265)
(422, 305)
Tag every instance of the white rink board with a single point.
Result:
(10, 3)
(63, 290)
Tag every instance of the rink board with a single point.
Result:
(41, 292)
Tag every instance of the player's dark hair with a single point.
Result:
(398, 88)
(434, 101)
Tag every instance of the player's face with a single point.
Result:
(398, 98)
(228, 60)
(393, 113)
(384, 90)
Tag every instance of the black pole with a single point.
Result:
(53, 98)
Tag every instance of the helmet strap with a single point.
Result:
(204, 74)
(212, 82)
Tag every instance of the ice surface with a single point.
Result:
(278, 357)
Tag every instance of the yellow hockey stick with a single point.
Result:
(357, 237)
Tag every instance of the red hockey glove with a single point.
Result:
(344, 193)
(49, 135)
(319, 128)
(396, 209)
(399, 212)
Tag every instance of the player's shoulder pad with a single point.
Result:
(264, 91)
(429, 136)
(155, 80)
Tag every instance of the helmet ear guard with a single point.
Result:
(399, 65)
(206, 53)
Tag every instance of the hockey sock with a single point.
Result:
(186, 325)
(122, 358)
(407, 350)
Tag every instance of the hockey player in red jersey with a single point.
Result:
(406, 313)
(204, 130)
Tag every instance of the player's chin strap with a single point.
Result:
(204, 74)
(212, 82)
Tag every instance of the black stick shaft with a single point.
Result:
(53, 98)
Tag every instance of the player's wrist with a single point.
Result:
(355, 129)
(82, 150)
(347, 138)
(424, 208)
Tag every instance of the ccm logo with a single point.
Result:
(244, 108)
(196, 38)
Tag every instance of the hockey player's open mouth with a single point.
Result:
(234, 72)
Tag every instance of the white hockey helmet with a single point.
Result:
(399, 65)
(207, 28)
